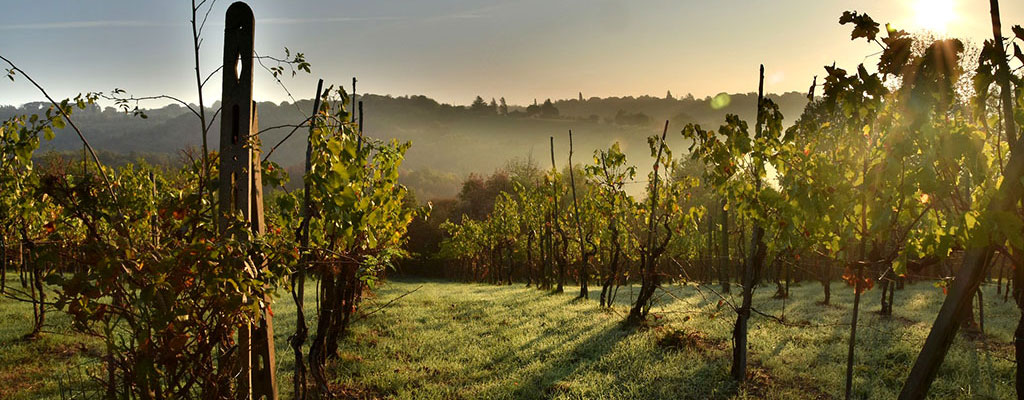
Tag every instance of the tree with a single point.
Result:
(479, 106)
(635, 119)
(548, 110)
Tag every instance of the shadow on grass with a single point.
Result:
(596, 344)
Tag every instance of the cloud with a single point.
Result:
(267, 21)
(84, 25)
(293, 21)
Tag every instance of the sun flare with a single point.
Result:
(934, 15)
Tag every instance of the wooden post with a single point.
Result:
(264, 361)
(21, 263)
(858, 287)
(723, 248)
(3, 264)
(584, 295)
(1003, 76)
(153, 220)
(554, 202)
(298, 339)
(359, 143)
(706, 267)
(241, 186)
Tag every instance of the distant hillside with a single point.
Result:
(449, 142)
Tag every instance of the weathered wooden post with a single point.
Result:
(153, 220)
(21, 264)
(3, 264)
(241, 186)
(359, 142)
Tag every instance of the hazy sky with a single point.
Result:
(453, 50)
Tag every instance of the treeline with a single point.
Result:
(450, 140)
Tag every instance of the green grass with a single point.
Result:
(44, 367)
(458, 340)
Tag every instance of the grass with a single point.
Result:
(44, 367)
(459, 340)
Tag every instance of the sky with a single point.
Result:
(454, 50)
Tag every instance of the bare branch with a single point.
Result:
(296, 128)
(136, 100)
(215, 71)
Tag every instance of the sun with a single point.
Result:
(934, 15)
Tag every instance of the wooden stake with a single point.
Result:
(153, 221)
(857, 289)
(3, 264)
(21, 264)
(579, 227)
(554, 202)
(241, 186)
(1003, 76)
(359, 144)
(299, 292)
(723, 248)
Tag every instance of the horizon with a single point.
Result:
(453, 50)
(105, 103)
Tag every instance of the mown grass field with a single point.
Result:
(458, 340)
